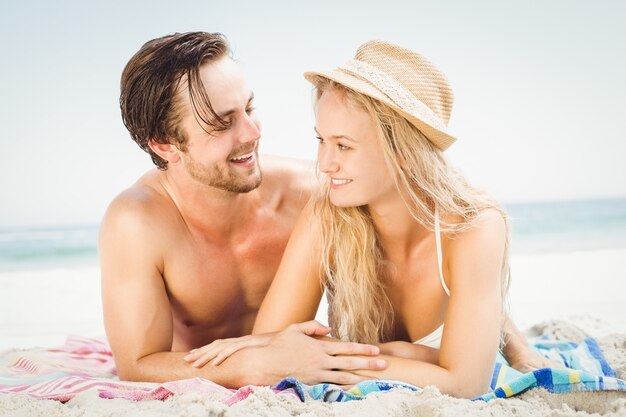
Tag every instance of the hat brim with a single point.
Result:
(438, 137)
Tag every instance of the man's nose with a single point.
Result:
(250, 129)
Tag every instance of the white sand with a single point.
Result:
(551, 291)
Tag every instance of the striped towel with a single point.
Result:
(83, 364)
(587, 370)
(334, 393)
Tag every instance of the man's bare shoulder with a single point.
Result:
(140, 207)
(294, 178)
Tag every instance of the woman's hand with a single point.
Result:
(219, 350)
(528, 360)
(517, 352)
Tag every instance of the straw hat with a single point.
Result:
(404, 80)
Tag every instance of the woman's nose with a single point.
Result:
(326, 160)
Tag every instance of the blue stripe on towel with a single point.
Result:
(545, 378)
(595, 351)
(496, 375)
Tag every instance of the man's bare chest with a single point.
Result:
(207, 280)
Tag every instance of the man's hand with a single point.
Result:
(293, 352)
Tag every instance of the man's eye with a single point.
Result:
(342, 147)
(319, 139)
(250, 109)
(223, 127)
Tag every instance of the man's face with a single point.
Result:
(227, 158)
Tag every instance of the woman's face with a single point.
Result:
(350, 153)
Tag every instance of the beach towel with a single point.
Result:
(83, 364)
(586, 370)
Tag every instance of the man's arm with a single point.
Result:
(137, 313)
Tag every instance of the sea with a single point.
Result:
(536, 227)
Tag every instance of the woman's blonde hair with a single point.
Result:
(352, 257)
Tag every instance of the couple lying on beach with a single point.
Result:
(213, 267)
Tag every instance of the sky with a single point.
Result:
(539, 89)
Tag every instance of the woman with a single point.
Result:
(413, 258)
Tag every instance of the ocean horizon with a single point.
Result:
(536, 227)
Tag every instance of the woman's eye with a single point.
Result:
(342, 147)
(319, 139)
(250, 109)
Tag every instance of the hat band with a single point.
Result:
(396, 92)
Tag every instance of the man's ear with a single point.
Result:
(166, 151)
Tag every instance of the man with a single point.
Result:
(188, 252)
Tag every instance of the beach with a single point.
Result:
(563, 295)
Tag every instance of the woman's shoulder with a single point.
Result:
(488, 228)
(491, 218)
(476, 254)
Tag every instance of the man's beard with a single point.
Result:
(223, 177)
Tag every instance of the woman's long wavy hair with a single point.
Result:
(352, 257)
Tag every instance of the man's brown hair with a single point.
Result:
(150, 84)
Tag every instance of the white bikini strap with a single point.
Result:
(439, 255)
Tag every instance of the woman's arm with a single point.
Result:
(472, 323)
(409, 350)
(296, 291)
